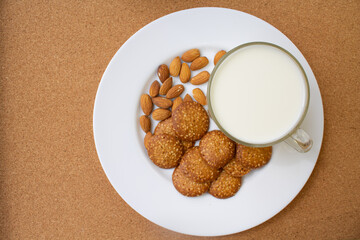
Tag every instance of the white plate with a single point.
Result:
(119, 139)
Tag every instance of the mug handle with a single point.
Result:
(300, 141)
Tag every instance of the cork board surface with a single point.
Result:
(52, 57)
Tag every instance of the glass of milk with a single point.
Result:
(258, 95)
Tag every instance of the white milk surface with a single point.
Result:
(258, 94)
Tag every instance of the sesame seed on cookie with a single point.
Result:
(236, 169)
(190, 121)
(251, 157)
(217, 149)
(195, 167)
(186, 186)
(165, 150)
(225, 186)
(166, 127)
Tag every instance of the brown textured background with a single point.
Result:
(52, 56)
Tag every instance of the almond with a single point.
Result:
(162, 102)
(146, 104)
(163, 72)
(154, 89)
(199, 63)
(166, 86)
(175, 91)
(201, 78)
(160, 114)
(175, 67)
(145, 123)
(146, 139)
(218, 55)
(190, 55)
(199, 96)
(176, 103)
(185, 73)
(188, 98)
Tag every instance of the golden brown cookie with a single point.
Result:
(251, 157)
(186, 186)
(236, 169)
(190, 121)
(166, 127)
(217, 149)
(225, 186)
(195, 167)
(165, 150)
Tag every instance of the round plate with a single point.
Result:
(119, 139)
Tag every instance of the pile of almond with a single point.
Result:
(165, 96)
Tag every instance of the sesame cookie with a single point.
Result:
(217, 149)
(195, 167)
(236, 169)
(186, 186)
(166, 127)
(225, 186)
(190, 121)
(165, 150)
(251, 157)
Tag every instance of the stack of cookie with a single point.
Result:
(215, 166)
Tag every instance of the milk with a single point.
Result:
(258, 94)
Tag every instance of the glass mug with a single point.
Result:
(258, 95)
